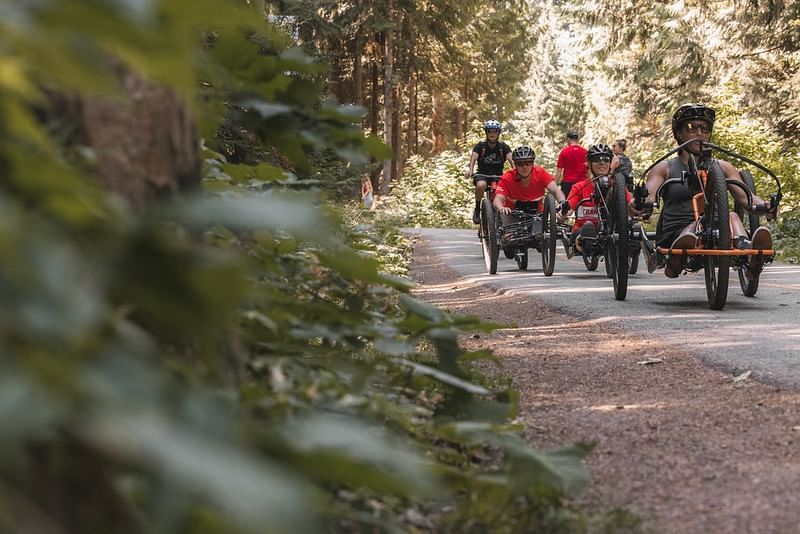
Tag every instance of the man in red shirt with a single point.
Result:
(571, 165)
(524, 183)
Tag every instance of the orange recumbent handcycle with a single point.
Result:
(715, 251)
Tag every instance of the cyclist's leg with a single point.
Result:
(686, 238)
(738, 233)
(587, 231)
(480, 188)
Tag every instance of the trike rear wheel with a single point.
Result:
(751, 222)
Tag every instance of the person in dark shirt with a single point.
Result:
(676, 226)
(490, 155)
(621, 163)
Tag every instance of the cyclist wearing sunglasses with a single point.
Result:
(676, 224)
(523, 186)
(490, 155)
(599, 158)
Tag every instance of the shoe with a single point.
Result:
(648, 251)
(762, 240)
(675, 261)
(588, 230)
(568, 249)
(651, 260)
(742, 242)
(476, 215)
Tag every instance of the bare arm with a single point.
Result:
(559, 175)
(556, 191)
(510, 160)
(559, 194)
(472, 160)
(614, 164)
(499, 204)
(656, 177)
(731, 173)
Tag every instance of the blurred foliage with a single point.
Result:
(241, 361)
(433, 193)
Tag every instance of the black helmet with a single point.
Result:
(572, 134)
(492, 125)
(523, 153)
(597, 151)
(688, 112)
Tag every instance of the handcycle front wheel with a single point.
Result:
(522, 260)
(549, 235)
(591, 261)
(618, 252)
(718, 236)
(634, 261)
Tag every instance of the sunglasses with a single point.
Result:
(697, 127)
(522, 163)
(601, 159)
(492, 130)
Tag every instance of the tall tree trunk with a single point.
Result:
(373, 100)
(411, 115)
(397, 135)
(147, 146)
(458, 120)
(411, 94)
(465, 123)
(358, 71)
(416, 112)
(437, 121)
(388, 97)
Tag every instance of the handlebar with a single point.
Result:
(706, 148)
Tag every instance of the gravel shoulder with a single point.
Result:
(686, 447)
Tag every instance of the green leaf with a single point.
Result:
(443, 377)
(254, 491)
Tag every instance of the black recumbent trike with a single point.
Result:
(617, 235)
(716, 251)
(535, 227)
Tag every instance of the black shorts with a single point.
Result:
(476, 179)
(666, 239)
(566, 187)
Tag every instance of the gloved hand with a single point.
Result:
(768, 209)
